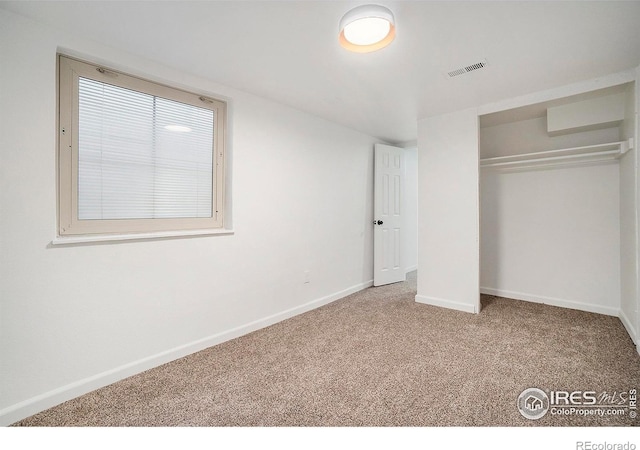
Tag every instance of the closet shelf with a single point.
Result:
(565, 156)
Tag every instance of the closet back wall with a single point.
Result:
(553, 236)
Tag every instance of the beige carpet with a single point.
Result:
(376, 358)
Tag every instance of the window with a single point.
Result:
(136, 156)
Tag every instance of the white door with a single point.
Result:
(387, 210)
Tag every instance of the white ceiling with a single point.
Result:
(288, 50)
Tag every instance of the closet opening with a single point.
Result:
(558, 203)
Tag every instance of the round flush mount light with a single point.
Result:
(367, 28)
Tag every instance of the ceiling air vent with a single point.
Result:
(466, 69)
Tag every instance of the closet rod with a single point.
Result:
(579, 150)
(584, 156)
(587, 153)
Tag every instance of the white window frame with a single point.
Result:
(69, 71)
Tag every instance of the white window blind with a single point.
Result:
(141, 156)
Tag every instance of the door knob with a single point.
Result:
(378, 222)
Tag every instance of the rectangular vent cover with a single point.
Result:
(466, 69)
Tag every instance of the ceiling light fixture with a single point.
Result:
(367, 28)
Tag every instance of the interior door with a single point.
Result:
(387, 209)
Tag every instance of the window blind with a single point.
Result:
(141, 156)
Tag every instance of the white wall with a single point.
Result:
(628, 238)
(410, 211)
(552, 236)
(77, 317)
(448, 248)
(636, 139)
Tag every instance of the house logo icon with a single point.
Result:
(533, 403)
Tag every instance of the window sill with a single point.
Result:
(88, 238)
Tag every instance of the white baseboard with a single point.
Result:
(607, 310)
(433, 301)
(410, 269)
(630, 328)
(59, 395)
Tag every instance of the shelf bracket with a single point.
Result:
(625, 146)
